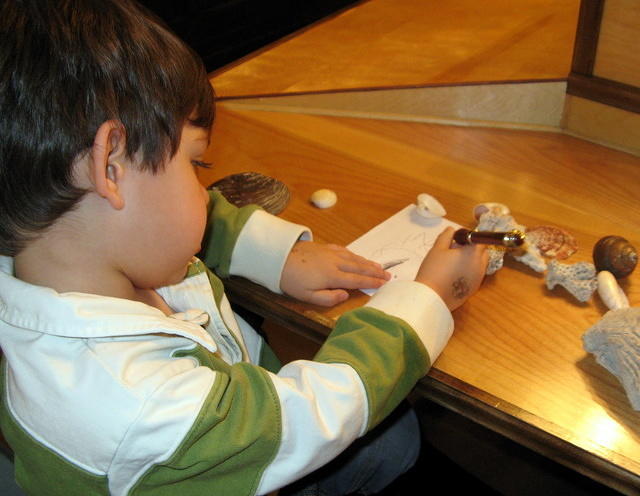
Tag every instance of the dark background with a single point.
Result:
(224, 31)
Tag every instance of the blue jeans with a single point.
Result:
(370, 464)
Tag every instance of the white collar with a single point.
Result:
(82, 315)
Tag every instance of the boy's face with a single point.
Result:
(166, 216)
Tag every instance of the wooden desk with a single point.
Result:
(414, 43)
(515, 362)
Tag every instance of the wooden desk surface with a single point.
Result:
(515, 361)
(409, 43)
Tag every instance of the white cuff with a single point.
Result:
(419, 306)
(262, 248)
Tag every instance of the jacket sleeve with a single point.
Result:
(368, 364)
(248, 242)
(254, 431)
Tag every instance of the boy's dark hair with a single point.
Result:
(67, 66)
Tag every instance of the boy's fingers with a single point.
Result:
(351, 257)
(350, 280)
(484, 256)
(328, 297)
(370, 269)
(444, 239)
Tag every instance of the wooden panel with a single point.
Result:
(603, 124)
(517, 348)
(618, 54)
(401, 43)
(606, 70)
(587, 34)
(606, 91)
(515, 105)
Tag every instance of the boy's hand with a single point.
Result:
(455, 273)
(315, 273)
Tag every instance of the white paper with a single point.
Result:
(407, 236)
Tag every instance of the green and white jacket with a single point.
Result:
(103, 395)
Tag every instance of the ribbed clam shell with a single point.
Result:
(253, 187)
(552, 241)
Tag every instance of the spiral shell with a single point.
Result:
(616, 255)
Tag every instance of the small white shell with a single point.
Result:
(324, 198)
(495, 208)
(610, 291)
(429, 207)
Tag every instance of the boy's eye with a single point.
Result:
(200, 163)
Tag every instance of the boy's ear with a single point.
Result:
(107, 156)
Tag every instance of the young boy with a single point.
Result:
(125, 370)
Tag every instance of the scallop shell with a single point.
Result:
(429, 207)
(615, 254)
(552, 241)
(252, 187)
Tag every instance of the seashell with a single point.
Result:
(552, 241)
(494, 208)
(324, 198)
(252, 187)
(429, 207)
(610, 291)
(496, 217)
(616, 255)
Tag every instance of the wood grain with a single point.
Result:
(408, 43)
(606, 91)
(618, 57)
(603, 123)
(517, 347)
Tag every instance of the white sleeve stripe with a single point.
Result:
(419, 306)
(166, 418)
(324, 409)
(262, 248)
